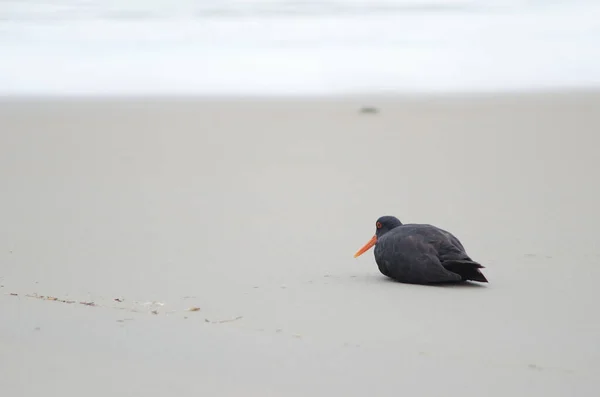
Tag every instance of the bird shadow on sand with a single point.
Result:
(463, 285)
(371, 279)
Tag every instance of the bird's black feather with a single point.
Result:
(422, 254)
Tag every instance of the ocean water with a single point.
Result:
(272, 47)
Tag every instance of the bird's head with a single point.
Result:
(383, 225)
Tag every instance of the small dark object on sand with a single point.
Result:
(369, 110)
(420, 254)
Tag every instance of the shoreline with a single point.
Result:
(395, 95)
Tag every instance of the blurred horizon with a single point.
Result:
(63, 47)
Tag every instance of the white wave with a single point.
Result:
(93, 47)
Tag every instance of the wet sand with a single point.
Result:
(251, 210)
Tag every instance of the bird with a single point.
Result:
(415, 253)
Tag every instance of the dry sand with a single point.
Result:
(251, 210)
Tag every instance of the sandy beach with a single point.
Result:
(153, 247)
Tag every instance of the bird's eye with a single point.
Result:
(378, 224)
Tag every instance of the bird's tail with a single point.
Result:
(468, 270)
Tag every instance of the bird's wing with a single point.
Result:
(414, 259)
(447, 245)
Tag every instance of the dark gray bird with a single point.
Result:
(420, 254)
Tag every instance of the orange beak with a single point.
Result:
(366, 247)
